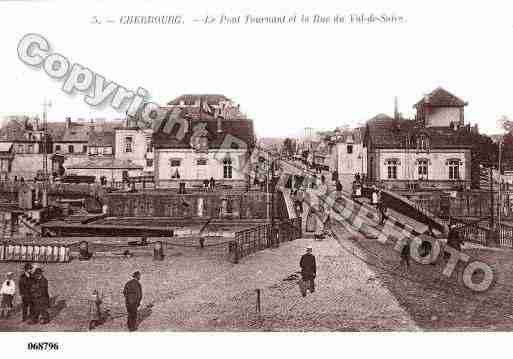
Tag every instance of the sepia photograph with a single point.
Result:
(292, 177)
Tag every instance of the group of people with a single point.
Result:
(211, 183)
(32, 288)
(33, 291)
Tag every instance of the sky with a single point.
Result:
(285, 77)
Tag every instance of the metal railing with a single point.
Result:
(257, 238)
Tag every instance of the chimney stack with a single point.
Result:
(68, 123)
(396, 108)
(219, 125)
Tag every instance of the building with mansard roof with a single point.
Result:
(202, 143)
(431, 151)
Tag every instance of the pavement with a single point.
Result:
(347, 296)
(199, 292)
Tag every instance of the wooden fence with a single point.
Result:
(257, 238)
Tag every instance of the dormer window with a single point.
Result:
(199, 138)
(423, 143)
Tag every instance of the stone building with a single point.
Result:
(135, 145)
(349, 154)
(214, 143)
(431, 151)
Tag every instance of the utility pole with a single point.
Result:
(492, 224)
(500, 188)
(46, 106)
(273, 188)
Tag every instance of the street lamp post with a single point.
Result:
(500, 189)
(271, 189)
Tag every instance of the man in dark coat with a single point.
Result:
(405, 255)
(40, 297)
(133, 297)
(382, 208)
(308, 271)
(25, 288)
(453, 240)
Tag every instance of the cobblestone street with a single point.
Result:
(192, 291)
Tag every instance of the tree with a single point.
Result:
(507, 140)
(289, 146)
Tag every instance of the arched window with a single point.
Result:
(227, 168)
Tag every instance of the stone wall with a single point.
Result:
(248, 205)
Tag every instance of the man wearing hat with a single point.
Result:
(133, 297)
(308, 271)
(25, 284)
(40, 297)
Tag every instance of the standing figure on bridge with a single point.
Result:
(308, 272)
(405, 255)
(453, 239)
(334, 176)
(339, 189)
(374, 196)
(382, 208)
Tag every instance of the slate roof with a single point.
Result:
(239, 128)
(357, 134)
(14, 130)
(383, 131)
(76, 133)
(101, 139)
(105, 163)
(190, 99)
(441, 98)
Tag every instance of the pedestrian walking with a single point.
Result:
(426, 248)
(375, 196)
(40, 297)
(405, 256)
(382, 209)
(339, 186)
(133, 297)
(7, 291)
(308, 272)
(453, 239)
(25, 288)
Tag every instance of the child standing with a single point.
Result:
(8, 290)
